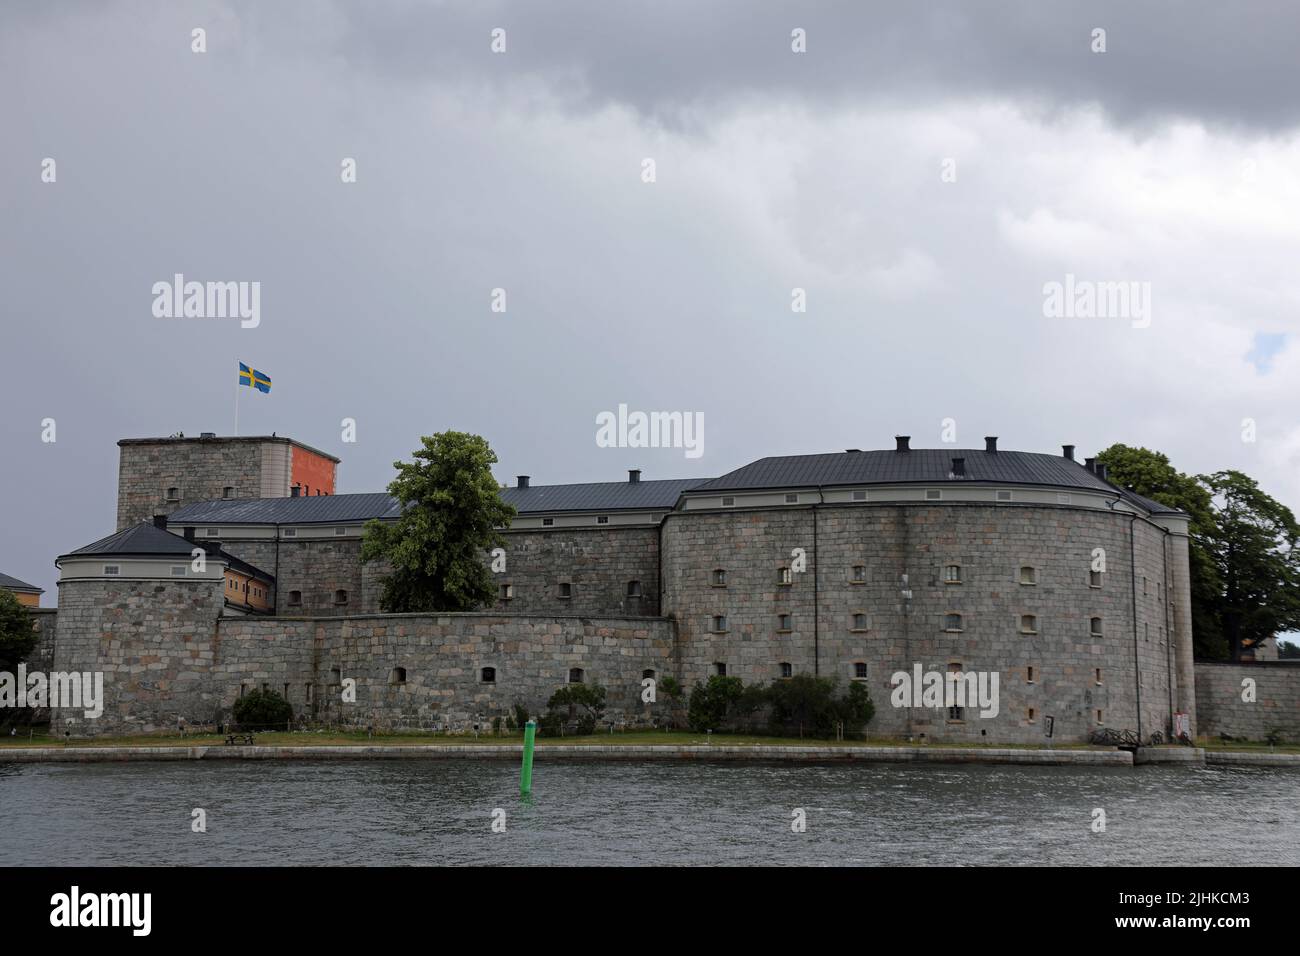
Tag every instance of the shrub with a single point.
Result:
(17, 632)
(262, 710)
(809, 705)
(712, 701)
(521, 715)
(590, 697)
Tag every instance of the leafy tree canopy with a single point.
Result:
(17, 632)
(451, 508)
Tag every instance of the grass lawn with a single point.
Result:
(411, 738)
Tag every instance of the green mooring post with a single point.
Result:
(526, 771)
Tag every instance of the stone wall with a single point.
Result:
(989, 544)
(200, 469)
(414, 670)
(596, 563)
(155, 643)
(1219, 689)
(167, 656)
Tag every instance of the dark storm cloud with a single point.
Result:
(1220, 63)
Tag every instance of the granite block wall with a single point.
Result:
(1220, 693)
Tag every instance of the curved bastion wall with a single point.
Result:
(844, 615)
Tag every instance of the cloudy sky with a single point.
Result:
(921, 171)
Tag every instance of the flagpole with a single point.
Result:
(236, 405)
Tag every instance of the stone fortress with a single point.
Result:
(235, 566)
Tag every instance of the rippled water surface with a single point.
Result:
(440, 812)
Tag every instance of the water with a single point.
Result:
(439, 812)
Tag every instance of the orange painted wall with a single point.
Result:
(243, 590)
(27, 599)
(311, 472)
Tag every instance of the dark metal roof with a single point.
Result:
(1150, 504)
(927, 465)
(140, 539)
(602, 496)
(146, 540)
(307, 509)
(327, 509)
(13, 584)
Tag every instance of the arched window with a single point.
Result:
(648, 672)
(952, 622)
(340, 596)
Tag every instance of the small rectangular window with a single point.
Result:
(507, 592)
(784, 576)
(719, 578)
(784, 622)
(1004, 496)
(859, 574)
(1029, 674)
(566, 590)
(291, 532)
(1094, 579)
(859, 621)
(792, 499)
(214, 532)
(228, 492)
(719, 623)
(602, 519)
(786, 670)
(111, 569)
(933, 494)
(173, 494)
(548, 522)
(339, 532)
(1094, 627)
(952, 622)
(728, 501)
(720, 669)
(178, 570)
(1062, 499)
(952, 574)
(859, 670)
(1028, 575)
(1028, 624)
(859, 496)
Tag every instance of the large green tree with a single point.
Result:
(17, 632)
(1257, 559)
(451, 510)
(1150, 474)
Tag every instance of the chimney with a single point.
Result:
(189, 534)
(1090, 464)
(633, 476)
(160, 521)
(1101, 471)
(1068, 452)
(521, 481)
(959, 467)
(901, 442)
(991, 443)
(295, 491)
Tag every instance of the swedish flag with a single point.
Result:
(251, 376)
